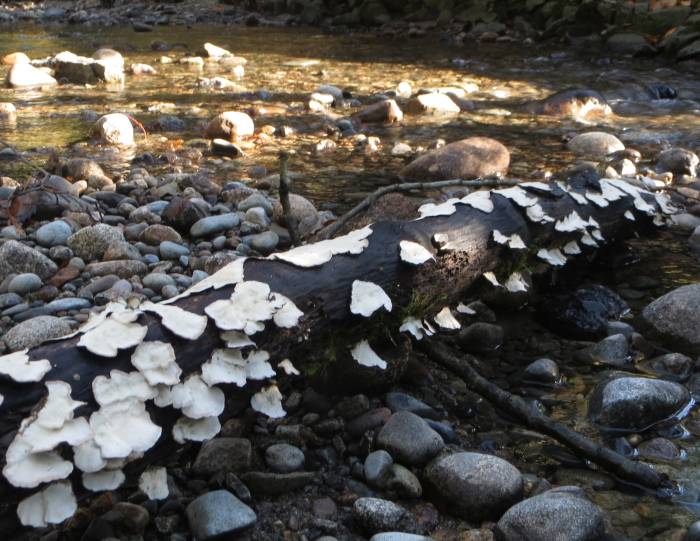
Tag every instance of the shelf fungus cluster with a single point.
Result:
(62, 434)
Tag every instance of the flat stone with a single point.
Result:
(213, 225)
(54, 233)
(377, 515)
(217, 514)
(284, 458)
(35, 331)
(409, 439)
(16, 258)
(125, 268)
(223, 455)
(274, 484)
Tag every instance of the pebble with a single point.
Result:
(409, 439)
(217, 514)
(377, 468)
(544, 371)
(403, 402)
(212, 225)
(53, 233)
(284, 458)
(24, 283)
(34, 331)
(265, 242)
(274, 484)
(223, 455)
(377, 515)
(157, 280)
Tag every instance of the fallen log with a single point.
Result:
(337, 302)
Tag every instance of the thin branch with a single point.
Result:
(406, 187)
(637, 473)
(23, 159)
(289, 218)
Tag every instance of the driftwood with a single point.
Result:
(636, 473)
(461, 241)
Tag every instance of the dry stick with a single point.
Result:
(636, 473)
(284, 199)
(407, 187)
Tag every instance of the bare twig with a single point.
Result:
(289, 218)
(406, 187)
(23, 159)
(636, 473)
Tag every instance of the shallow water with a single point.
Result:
(505, 75)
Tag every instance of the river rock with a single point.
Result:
(433, 102)
(23, 75)
(399, 536)
(123, 268)
(264, 242)
(403, 482)
(157, 234)
(612, 350)
(218, 514)
(404, 402)
(481, 337)
(256, 200)
(7, 111)
(213, 225)
(172, 250)
(16, 258)
(678, 161)
(628, 43)
(377, 468)
(81, 169)
(575, 102)
(409, 439)
(214, 51)
(121, 250)
(284, 458)
(114, 129)
(81, 70)
(223, 455)
(475, 486)
(157, 280)
(303, 210)
(15, 58)
(634, 404)
(552, 516)
(34, 331)
(475, 157)
(377, 515)
(274, 484)
(595, 144)
(542, 371)
(230, 125)
(24, 283)
(92, 242)
(674, 319)
(385, 111)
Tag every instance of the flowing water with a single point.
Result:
(286, 65)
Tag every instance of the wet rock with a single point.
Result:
(613, 350)
(693, 533)
(475, 157)
(572, 102)
(368, 421)
(7, 111)
(402, 482)
(274, 484)
(678, 161)
(223, 455)
(672, 366)
(168, 123)
(92, 242)
(222, 147)
(475, 485)
(284, 458)
(123, 268)
(16, 258)
(34, 331)
(127, 518)
(213, 225)
(377, 515)
(24, 283)
(595, 145)
(552, 516)
(386, 111)
(433, 102)
(114, 129)
(171, 250)
(157, 280)
(81, 70)
(409, 438)
(81, 169)
(231, 125)
(659, 449)
(377, 468)
(214, 51)
(674, 319)
(543, 371)
(265, 242)
(303, 210)
(634, 404)
(23, 75)
(481, 337)
(182, 213)
(218, 513)
(629, 43)
(403, 402)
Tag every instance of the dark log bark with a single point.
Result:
(323, 292)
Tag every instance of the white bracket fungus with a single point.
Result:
(517, 195)
(122, 428)
(513, 241)
(598, 199)
(288, 368)
(541, 186)
(491, 277)
(367, 297)
(229, 274)
(118, 331)
(516, 283)
(25, 469)
(103, 480)
(87, 457)
(18, 367)
(571, 248)
(186, 429)
(154, 483)
(52, 505)
(580, 199)
(430, 210)
(553, 257)
(287, 315)
(122, 386)
(363, 353)
(196, 399)
(268, 401)
(415, 327)
(181, 322)
(318, 253)
(446, 320)
(156, 362)
(587, 240)
(536, 214)
(480, 200)
(236, 339)
(444, 243)
(636, 193)
(628, 214)
(414, 253)
(228, 366)
(464, 309)
(572, 222)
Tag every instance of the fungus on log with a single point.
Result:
(293, 302)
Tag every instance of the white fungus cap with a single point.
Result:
(196, 399)
(121, 386)
(88, 458)
(154, 483)
(18, 367)
(181, 322)
(446, 320)
(365, 356)
(225, 366)
(414, 253)
(516, 283)
(466, 310)
(288, 368)
(164, 398)
(249, 305)
(230, 274)
(480, 200)
(103, 480)
(517, 195)
(287, 315)
(33, 469)
(318, 253)
(268, 401)
(236, 339)
(553, 257)
(571, 248)
(123, 428)
(512, 241)
(367, 297)
(430, 210)
(415, 327)
(570, 223)
(186, 429)
(537, 214)
(59, 405)
(156, 362)
(118, 331)
(52, 505)
(491, 277)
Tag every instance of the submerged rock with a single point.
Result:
(675, 319)
(475, 157)
(573, 102)
(108, 67)
(678, 161)
(386, 111)
(634, 404)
